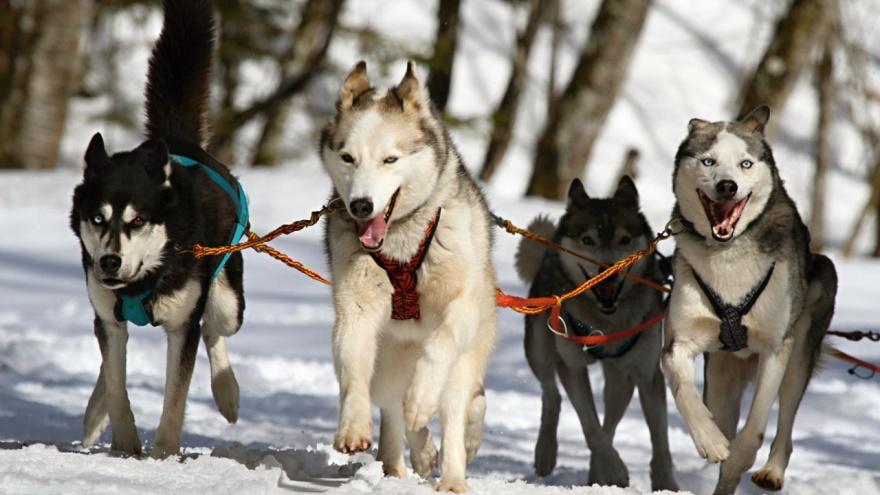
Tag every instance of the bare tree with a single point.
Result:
(310, 38)
(825, 91)
(575, 119)
(228, 123)
(440, 79)
(798, 32)
(504, 116)
(40, 58)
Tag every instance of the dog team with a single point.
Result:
(414, 287)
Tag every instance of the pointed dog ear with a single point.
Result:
(576, 193)
(756, 119)
(96, 157)
(410, 90)
(695, 125)
(153, 153)
(356, 84)
(626, 191)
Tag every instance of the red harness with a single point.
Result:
(405, 299)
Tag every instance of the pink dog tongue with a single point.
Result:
(372, 231)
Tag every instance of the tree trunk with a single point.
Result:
(504, 116)
(574, 121)
(228, 123)
(310, 39)
(873, 203)
(798, 32)
(629, 167)
(40, 73)
(444, 52)
(825, 90)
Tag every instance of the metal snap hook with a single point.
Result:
(593, 333)
(564, 326)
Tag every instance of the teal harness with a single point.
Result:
(132, 308)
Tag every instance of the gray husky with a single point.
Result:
(748, 293)
(413, 284)
(606, 230)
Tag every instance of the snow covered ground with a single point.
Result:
(687, 64)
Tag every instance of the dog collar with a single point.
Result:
(403, 276)
(134, 308)
(734, 334)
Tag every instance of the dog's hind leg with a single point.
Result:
(606, 467)
(391, 441)
(456, 401)
(744, 447)
(820, 303)
(182, 346)
(422, 452)
(224, 386)
(476, 414)
(542, 358)
(97, 417)
(618, 393)
(652, 396)
(725, 379)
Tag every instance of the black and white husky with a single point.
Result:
(748, 293)
(607, 230)
(137, 214)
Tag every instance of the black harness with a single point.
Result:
(733, 334)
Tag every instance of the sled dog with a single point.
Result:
(413, 283)
(136, 213)
(748, 292)
(605, 230)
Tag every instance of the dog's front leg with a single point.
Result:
(112, 339)
(744, 448)
(354, 355)
(678, 365)
(181, 356)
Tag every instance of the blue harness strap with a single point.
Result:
(132, 308)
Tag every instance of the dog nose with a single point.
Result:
(726, 189)
(110, 263)
(361, 207)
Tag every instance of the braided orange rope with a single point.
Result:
(513, 229)
(536, 305)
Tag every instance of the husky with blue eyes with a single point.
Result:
(749, 295)
(137, 213)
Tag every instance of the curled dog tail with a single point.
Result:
(178, 81)
(530, 254)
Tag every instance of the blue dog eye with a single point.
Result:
(746, 164)
(707, 162)
(98, 219)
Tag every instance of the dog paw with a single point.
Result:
(424, 461)
(452, 484)
(608, 470)
(394, 470)
(353, 437)
(125, 442)
(164, 447)
(711, 444)
(768, 479)
(419, 407)
(545, 453)
(224, 387)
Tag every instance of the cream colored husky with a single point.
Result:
(413, 284)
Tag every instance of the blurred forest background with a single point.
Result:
(55, 52)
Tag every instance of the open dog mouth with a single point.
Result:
(723, 215)
(607, 292)
(372, 232)
(112, 283)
